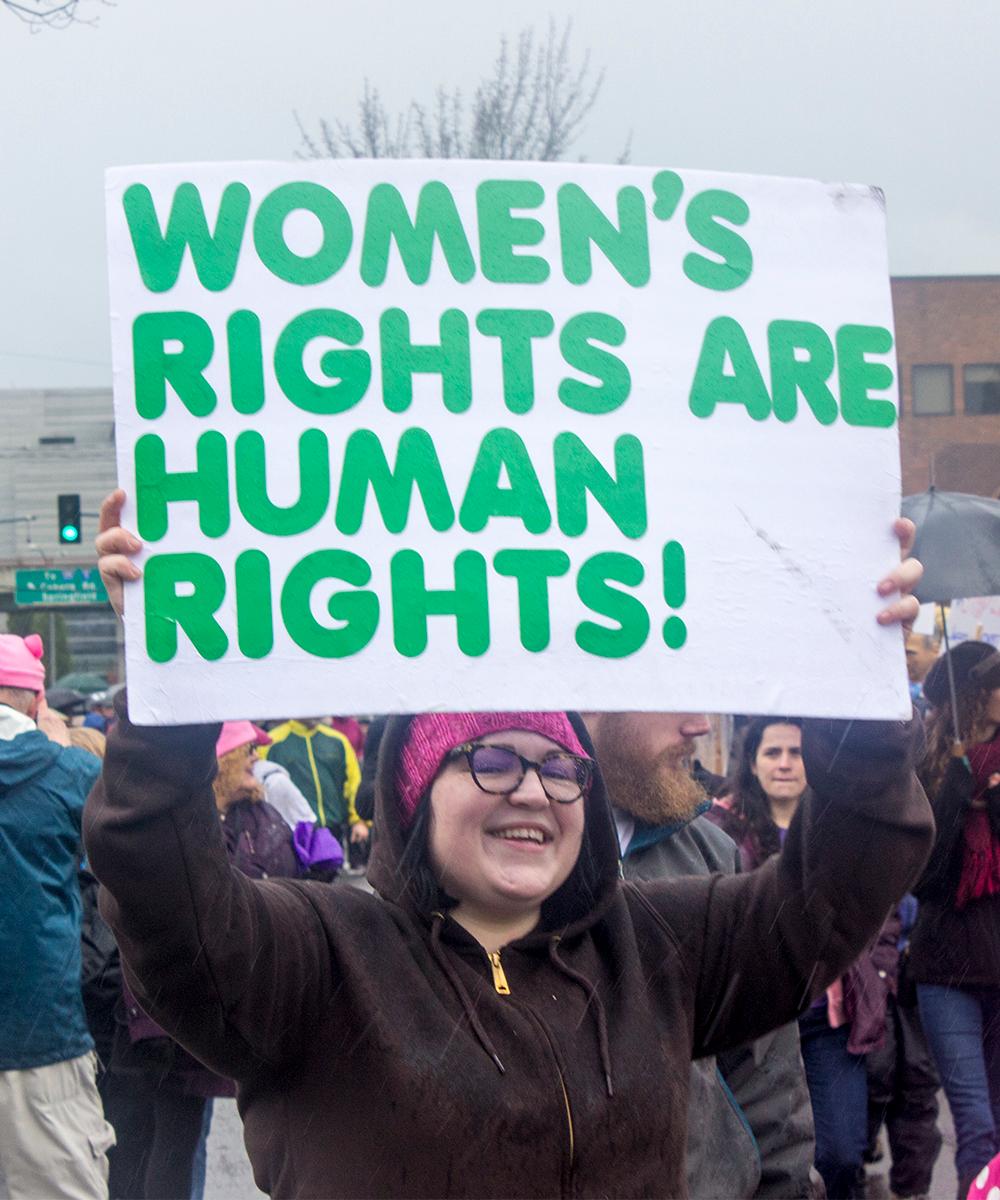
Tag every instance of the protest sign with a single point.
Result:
(406, 435)
(926, 623)
(976, 618)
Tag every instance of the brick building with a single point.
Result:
(948, 347)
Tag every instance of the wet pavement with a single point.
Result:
(944, 1184)
(228, 1175)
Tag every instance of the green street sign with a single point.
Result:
(81, 585)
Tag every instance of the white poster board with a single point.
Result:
(408, 435)
(976, 619)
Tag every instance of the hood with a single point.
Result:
(649, 835)
(263, 768)
(23, 757)
(13, 723)
(577, 904)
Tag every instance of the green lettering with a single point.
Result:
(516, 327)
(592, 586)
(159, 255)
(437, 221)
(250, 469)
(246, 361)
(532, 569)
(577, 345)
(254, 616)
(703, 215)
(413, 603)
(401, 360)
(359, 610)
(269, 233)
(417, 465)
(622, 495)
(204, 584)
(503, 452)
(156, 487)
(500, 231)
(725, 345)
(857, 377)
(155, 366)
(791, 374)
(352, 369)
(625, 245)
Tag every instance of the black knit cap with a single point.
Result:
(976, 666)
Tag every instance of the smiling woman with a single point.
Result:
(504, 1016)
(497, 842)
(504, 1010)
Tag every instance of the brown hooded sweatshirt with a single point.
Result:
(374, 1050)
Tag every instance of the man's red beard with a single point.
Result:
(657, 790)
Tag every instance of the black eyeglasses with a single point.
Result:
(499, 769)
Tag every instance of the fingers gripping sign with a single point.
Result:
(901, 580)
(114, 545)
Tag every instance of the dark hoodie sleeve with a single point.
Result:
(236, 970)
(760, 946)
(364, 800)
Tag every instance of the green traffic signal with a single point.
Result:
(68, 507)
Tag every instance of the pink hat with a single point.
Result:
(21, 662)
(432, 735)
(239, 733)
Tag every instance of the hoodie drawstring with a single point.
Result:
(592, 997)
(463, 996)
(483, 1037)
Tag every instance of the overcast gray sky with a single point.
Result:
(901, 93)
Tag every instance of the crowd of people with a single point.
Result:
(584, 965)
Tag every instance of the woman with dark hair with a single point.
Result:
(757, 806)
(505, 1016)
(767, 787)
(955, 949)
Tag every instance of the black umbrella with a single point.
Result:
(65, 700)
(958, 541)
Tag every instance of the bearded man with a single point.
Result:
(750, 1130)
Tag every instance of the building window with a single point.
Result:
(932, 391)
(982, 388)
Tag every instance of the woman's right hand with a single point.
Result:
(114, 545)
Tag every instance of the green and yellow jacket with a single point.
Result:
(323, 766)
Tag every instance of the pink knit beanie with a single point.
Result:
(432, 735)
(239, 733)
(21, 662)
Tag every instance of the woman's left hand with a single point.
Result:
(902, 580)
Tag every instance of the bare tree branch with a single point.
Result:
(532, 106)
(53, 14)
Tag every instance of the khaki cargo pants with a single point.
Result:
(53, 1135)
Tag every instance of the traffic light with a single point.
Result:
(69, 519)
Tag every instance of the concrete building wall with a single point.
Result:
(51, 442)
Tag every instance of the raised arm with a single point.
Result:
(762, 945)
(238, 971)
(758, 947)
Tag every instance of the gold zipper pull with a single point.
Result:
(499, 978)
